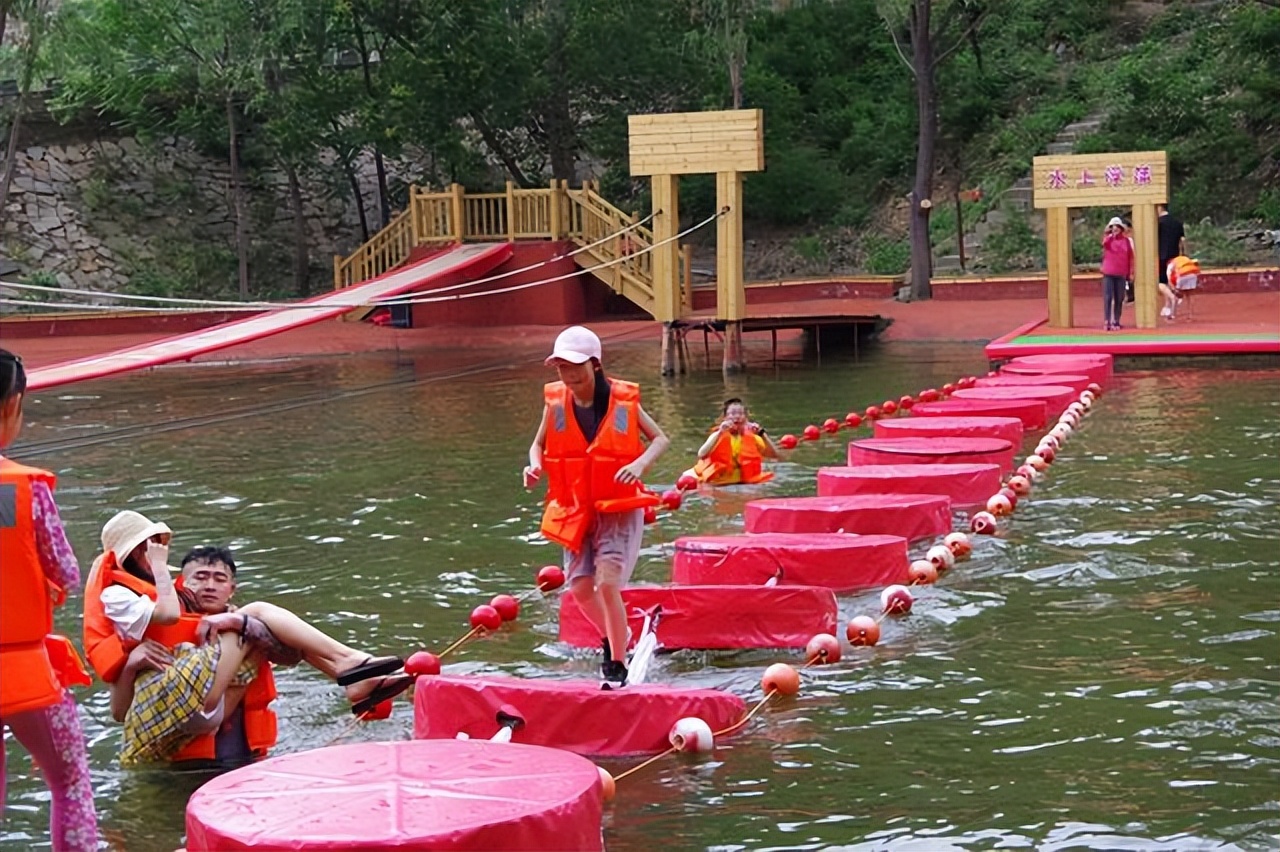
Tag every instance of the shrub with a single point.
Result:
(887, 257)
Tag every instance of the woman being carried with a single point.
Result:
(131, 597)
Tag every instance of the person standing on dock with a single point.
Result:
(589, 443)
(1117, 268)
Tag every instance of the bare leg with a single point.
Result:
(608, 598)
(232, 655)
(584, 592)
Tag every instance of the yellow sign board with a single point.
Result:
(1101, 180)
(684, 143)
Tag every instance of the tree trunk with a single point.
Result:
(301, 258)
(350, 169)
(735, 81)
(557, 116)
(926, 138)
(501, 151)
(11, 154)
(384, 194)
(237, 203)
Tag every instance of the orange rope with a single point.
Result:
(747, 718)
(472, 633)
(640, 766)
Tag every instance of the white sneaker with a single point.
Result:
(1166, 313)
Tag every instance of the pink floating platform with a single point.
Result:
(965, 484)
(931, 451)
(1003, 428)
(835, 560)
(1056, 397)
(577, 716)
(716, 617)
(1097, 365)
(1076, 382)
(377, 797)
(911, 516)
(1030, 411)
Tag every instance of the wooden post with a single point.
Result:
(337, 272)
(670, 349)
(556, 211)
(458, 211)
(1058, 245)
(666, 258)
(1146, 289)
(511, 212)
(415, 217)
(686, 295)
(731, 297)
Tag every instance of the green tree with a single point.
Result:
(25, 63)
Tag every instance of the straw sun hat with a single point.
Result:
(127, 530)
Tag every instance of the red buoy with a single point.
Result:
(811, 432)
(672, 498)
(781, 678)
(422, 663)
(983, 523)
(906, 403)
(550, 577)
(889, 407)
(929, 395)
(823, 648)
(687, 482)
(872, 413)
(486, 616)
(921, 573)
(896, 600)
(862, 630)
(948, 389)
(507, 607)
(853, 420)
(650, 515)
(831, 425)
(788, 442)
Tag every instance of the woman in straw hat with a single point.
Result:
(36, 567)
(131, 600)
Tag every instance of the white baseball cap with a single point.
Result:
(1116, 220)
(575, 344)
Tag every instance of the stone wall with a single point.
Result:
(117, 213)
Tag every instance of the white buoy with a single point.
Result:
(941, 557)
(691, 734)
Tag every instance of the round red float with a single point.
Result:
(912, 516)
(889, 407)
(831, 425)
(788, 442)
(811, 432)
(1005, 428)
(575, 715)
(835, 560)
(853, 420)
(446, 794)
(507, 607)
(486, 616)
(1077, 381)
(1030, 411)
(869, 451)
(862, 630)
(550, 577)
(965, 484)
(1055, 397)
(1096, 365)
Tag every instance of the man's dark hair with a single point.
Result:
(208, 553)
(13, 378)
(733, 400)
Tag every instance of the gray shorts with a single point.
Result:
(1188, 282)
(616, 537)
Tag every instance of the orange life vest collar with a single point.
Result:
(719, 465)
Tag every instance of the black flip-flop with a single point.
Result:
(371, 667)
(384, 691)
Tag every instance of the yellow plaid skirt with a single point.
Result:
(165, 702)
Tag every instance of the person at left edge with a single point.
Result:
(37, 565)
(589, 442)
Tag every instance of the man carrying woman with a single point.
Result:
(178, 671)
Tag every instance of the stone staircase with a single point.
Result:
(1016, 199)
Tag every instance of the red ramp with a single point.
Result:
(454, 265)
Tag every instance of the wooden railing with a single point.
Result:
(557, 212)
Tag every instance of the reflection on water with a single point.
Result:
(1102, 676)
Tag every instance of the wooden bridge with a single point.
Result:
(581, 216)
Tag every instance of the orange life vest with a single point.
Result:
(35, 664)
(1180, 266)
(719, 465)
(108, 653)
(580, 476)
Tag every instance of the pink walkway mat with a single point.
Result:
(715, 617)
(574, 715)
(474, 260)
(1055, 397)
(911, 516)
(931, 451)
(1030, 411)
(1004, 428)
(965, 484)
(835, 560)
(377, 797)
(1098, 365)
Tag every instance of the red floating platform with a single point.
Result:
(577, 716)
(1076, 382)
(1096, 365)
(965, 484)
(377, 797)
(912, 516)
(1030, 411)
(1056, 397)
(931, 451)
(715, 617)
(834, 560)
(1002, 428)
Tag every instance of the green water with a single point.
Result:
(1103, 676)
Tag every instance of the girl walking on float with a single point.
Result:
(37, 566)
(589, 443)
